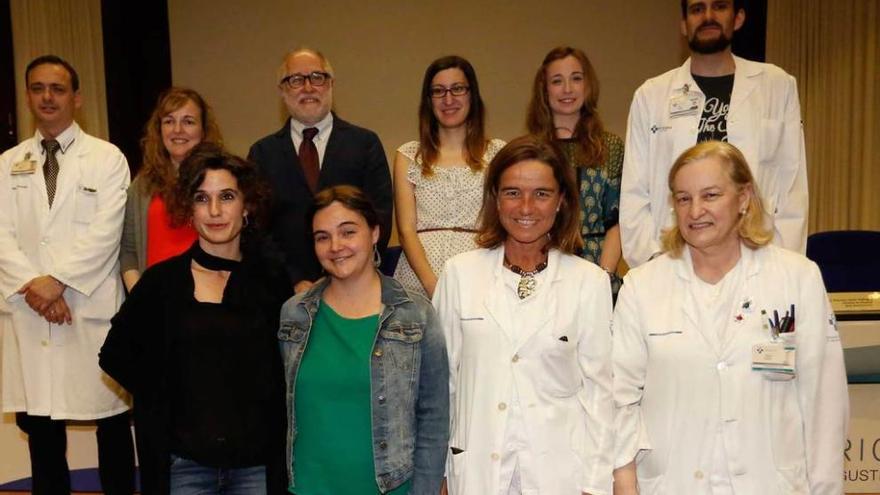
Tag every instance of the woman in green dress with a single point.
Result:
(366, 367)
(564, 110)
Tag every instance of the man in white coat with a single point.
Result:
(62, 200)
(713, 95)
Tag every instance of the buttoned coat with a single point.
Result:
(678, 386)
(52, 370)
(561, 373)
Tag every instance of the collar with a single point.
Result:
(65, 139)
(296, 127)
(743, 69)
(749, 257)
(393, 294)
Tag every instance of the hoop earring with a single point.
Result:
(244, 222)
(377, 258)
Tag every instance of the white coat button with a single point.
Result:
(515, 358)
(722, 366)
(44, 241)
(502, 406)
(45, 343)
(495, 456)
(698, 475)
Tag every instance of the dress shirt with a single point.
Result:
(325, 127)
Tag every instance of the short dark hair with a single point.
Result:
(351, 198)
(737, 6)
(565, 233)
(53, 60)
(211, 156)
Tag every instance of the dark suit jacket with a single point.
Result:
(353, 156)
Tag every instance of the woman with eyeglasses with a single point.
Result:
(438, 179)
(181, 120)
(563, 109)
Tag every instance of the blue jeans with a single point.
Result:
(191, 478)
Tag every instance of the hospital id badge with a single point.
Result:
(775, 358)
(686, 103)
(23, 167)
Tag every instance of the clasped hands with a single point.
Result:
(45, 295)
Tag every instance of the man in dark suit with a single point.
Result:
(315, 149)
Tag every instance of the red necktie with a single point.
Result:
(308, 158)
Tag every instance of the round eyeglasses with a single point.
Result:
(316, 78)
(457, 90)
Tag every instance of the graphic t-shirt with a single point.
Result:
(713, 122)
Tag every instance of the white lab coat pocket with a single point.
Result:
(562, 377)
(770, 140)
(651, 472)
(86, 204)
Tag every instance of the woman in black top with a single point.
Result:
(195, 345)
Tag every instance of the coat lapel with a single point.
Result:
(547, 298)
(744, 82)
(291, 172)
(494, 297)
(685, 271)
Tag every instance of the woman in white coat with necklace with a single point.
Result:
(527, 332)
(728, 369)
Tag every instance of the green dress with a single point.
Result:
(333, 452)
(600, 194)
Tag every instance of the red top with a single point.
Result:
(163, 240)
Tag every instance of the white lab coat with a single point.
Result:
(676, 384)
(52, 370)
(764, 122)
(563, 384)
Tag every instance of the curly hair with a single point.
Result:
(158, 174)
(588, 132)
(210, 156)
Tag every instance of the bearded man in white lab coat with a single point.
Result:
(62, 200)
(713, 96)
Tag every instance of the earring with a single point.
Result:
(244, 222)
(743, 212)
(377, 259)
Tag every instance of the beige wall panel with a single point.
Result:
(229, 50)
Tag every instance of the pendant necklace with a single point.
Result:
(527, 281)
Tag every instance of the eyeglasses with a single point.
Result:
(457, 90)
(315, 78)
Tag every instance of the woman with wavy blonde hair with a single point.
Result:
(564, 110)
(180, 121)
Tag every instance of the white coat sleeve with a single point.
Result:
(792, 204)
(821, 385)
(637, 229)
(446, 303)
(594, 360)
(93, 255)
(630, 359)
(15, 267)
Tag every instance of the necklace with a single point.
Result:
(527, 281)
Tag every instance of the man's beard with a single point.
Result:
(708, 47)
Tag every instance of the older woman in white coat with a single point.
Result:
(728, 369)
(527, 331)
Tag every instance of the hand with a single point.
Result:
(443, 490)
(58, 312)
(430, 285)
(302, 285)
(41, 292)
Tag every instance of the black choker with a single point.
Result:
(212, 262)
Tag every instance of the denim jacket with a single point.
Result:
(409, 385)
